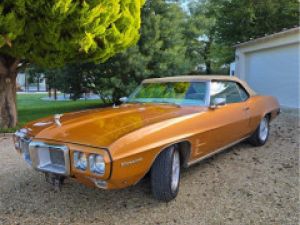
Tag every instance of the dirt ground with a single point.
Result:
(243, 185)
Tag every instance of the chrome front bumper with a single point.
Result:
(49, 158)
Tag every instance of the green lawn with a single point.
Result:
(31, 107)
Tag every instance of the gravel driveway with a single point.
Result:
(243, 185)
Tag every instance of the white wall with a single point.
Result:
(275, 72)
(271, 66)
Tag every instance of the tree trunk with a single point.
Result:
(49, 92)
(8, 74)
(206, 57)
(55, 94)
(25, 89)
(38, 84)
(208, 67)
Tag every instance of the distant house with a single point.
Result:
(24, 86)
(271, 65)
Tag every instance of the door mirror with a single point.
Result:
(217, 102)
(123, 99)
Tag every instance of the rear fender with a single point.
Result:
(260, 106)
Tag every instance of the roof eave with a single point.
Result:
(268, 37)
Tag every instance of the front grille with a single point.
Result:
(57, 157)
(50, 158)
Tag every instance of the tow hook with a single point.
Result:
(56, 180)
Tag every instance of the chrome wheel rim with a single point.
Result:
(263, 129)
(175, 171)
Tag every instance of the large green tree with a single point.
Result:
(201, 32)
(163, 41)
(161, 50)
(216, 25)
(51, 33)
(240, 20)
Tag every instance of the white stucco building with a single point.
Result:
(271, 65)
(24, 86)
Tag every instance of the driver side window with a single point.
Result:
(225, 89)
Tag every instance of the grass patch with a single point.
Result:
(31, 107)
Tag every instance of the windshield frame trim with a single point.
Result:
(207, 94)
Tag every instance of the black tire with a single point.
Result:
(257, 139)
(161, 175)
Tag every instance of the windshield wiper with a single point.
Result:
(156, 102)
(170, 103)
(134, 102)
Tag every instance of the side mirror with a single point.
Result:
(217, 102)
(123, 99)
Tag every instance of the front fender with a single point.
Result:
(134, 154)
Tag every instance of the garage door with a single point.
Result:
(275, 72)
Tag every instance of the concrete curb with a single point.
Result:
(6, 135)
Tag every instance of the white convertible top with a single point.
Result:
(191, 78)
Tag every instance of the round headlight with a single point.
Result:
(97, 164)
(80, 160)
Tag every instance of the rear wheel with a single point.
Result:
(261, 134)
(165, 175)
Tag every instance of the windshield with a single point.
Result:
(182, 93)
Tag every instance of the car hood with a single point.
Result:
(101, 127)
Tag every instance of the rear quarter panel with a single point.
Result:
(259, 107)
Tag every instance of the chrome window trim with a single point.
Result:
(241, 88)
(208, 92)
(238, 86)
(36, 160)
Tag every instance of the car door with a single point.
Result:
(230, 121)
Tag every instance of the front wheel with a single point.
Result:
(261, 134)
(165, 175)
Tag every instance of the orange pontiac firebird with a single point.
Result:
(165, 124)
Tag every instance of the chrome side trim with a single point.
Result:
(216, 152)
(41, 159)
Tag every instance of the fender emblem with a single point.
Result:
(129, 163)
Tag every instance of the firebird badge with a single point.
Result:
(57, 119)
(129, 163)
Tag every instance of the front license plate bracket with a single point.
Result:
(55, 180)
